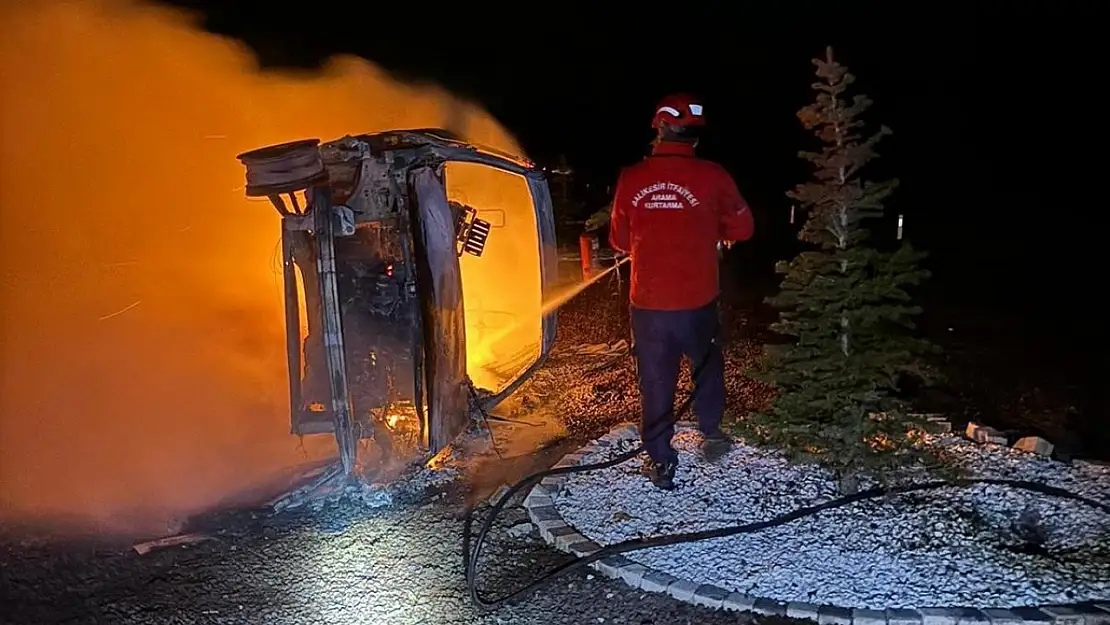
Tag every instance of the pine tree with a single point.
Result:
(846, 307)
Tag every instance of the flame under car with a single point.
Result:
(415, 267)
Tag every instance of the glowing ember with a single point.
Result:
(438, 461)
(392, 419)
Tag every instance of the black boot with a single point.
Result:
(715, 445)
(661, 474)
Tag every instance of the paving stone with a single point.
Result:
(545, 513)
(953, 616)
(552, 535)
(1094, 615)
(682, 589)
(998, 616)
(545, 519)
(834, 615)
(710, 596)
(984, 434)
(1034, 445)
(1063, 615)
(584, 548)
(656, 581)
(738, 602)
(548, 529)
(939, 616)
(540, 490)
(634, 575)
(569, 460)
(938, 424)
(868, 617)
(612, 567)
(554, 483)
(1032, 614)
(535, 500)
(934, 424)
(903, 616)
(769, 607)
(970, 616)
(564, 541)
(798, 609)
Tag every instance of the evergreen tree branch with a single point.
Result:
(847, 307)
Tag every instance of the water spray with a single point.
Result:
(557, 301)
(553, 303)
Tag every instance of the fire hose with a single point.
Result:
(472, 556)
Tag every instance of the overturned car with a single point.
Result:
(415, 267)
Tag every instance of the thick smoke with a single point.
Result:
(143, 362)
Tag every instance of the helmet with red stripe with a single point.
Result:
(679, 111)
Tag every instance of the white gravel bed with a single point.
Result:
(948, 547)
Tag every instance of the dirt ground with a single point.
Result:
(1020, 375)
(402, 564)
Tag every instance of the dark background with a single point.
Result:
(993, 105)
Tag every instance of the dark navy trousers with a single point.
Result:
(660, 339)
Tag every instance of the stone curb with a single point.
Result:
(541, 510)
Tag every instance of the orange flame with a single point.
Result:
(143, 352)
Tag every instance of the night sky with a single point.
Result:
(992, 104)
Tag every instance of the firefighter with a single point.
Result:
(670, 212)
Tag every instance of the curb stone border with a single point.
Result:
(555, 531)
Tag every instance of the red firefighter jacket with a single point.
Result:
(669, 212)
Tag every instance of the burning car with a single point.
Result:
(415, 267)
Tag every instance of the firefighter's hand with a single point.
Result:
(722, 246)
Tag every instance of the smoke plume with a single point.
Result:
(143, 371)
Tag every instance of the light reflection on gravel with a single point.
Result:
(935, 548)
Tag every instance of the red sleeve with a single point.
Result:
(618, 219)
(734, 215)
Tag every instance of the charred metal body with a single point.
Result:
(374, 293)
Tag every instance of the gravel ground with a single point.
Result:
(367, 558)
(591, 394)
(398, 563)
(984, 546)
(344, 564)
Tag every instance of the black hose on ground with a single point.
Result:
(471, 557)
